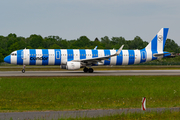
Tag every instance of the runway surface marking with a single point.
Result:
(74, 114)
(96, 73)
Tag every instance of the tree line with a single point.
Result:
(11, 43)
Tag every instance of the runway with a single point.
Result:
(96, 73)
(49, 115)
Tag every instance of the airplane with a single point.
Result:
(74, 59)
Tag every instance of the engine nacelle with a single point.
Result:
(71, 66)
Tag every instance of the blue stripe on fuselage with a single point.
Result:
(19, 58)
(131, 57)
(57, 56)
(45, 57)
(94, 53)
(32, 57)
(107, 53)
(119, 58)
(70, 55)
(82, 54)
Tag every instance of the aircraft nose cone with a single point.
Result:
(7, 59)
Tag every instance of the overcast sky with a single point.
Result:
(71, 19)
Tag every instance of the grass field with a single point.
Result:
(75, 93)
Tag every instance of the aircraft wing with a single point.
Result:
(99, 59)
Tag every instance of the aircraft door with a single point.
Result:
(23, 54)
(57, 54)
(143, 55)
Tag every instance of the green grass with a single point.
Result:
(75, 93)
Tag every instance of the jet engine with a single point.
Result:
(71, 66)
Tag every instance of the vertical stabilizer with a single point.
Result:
(158, 43)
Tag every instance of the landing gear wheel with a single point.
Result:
(91, 70)
(85, 69)
(23, 70)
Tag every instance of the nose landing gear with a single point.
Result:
(23, 70)
(90, 70)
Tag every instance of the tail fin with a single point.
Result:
(158, 43)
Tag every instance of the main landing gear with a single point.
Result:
(90, 70)
(23, 70)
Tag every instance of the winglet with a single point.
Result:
(118, 52)
(95, 48)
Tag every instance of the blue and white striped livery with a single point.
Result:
(73, 59)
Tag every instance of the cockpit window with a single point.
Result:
(13, 54)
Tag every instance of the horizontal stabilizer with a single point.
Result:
(160, 54)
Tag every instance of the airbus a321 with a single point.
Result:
(74, 59)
